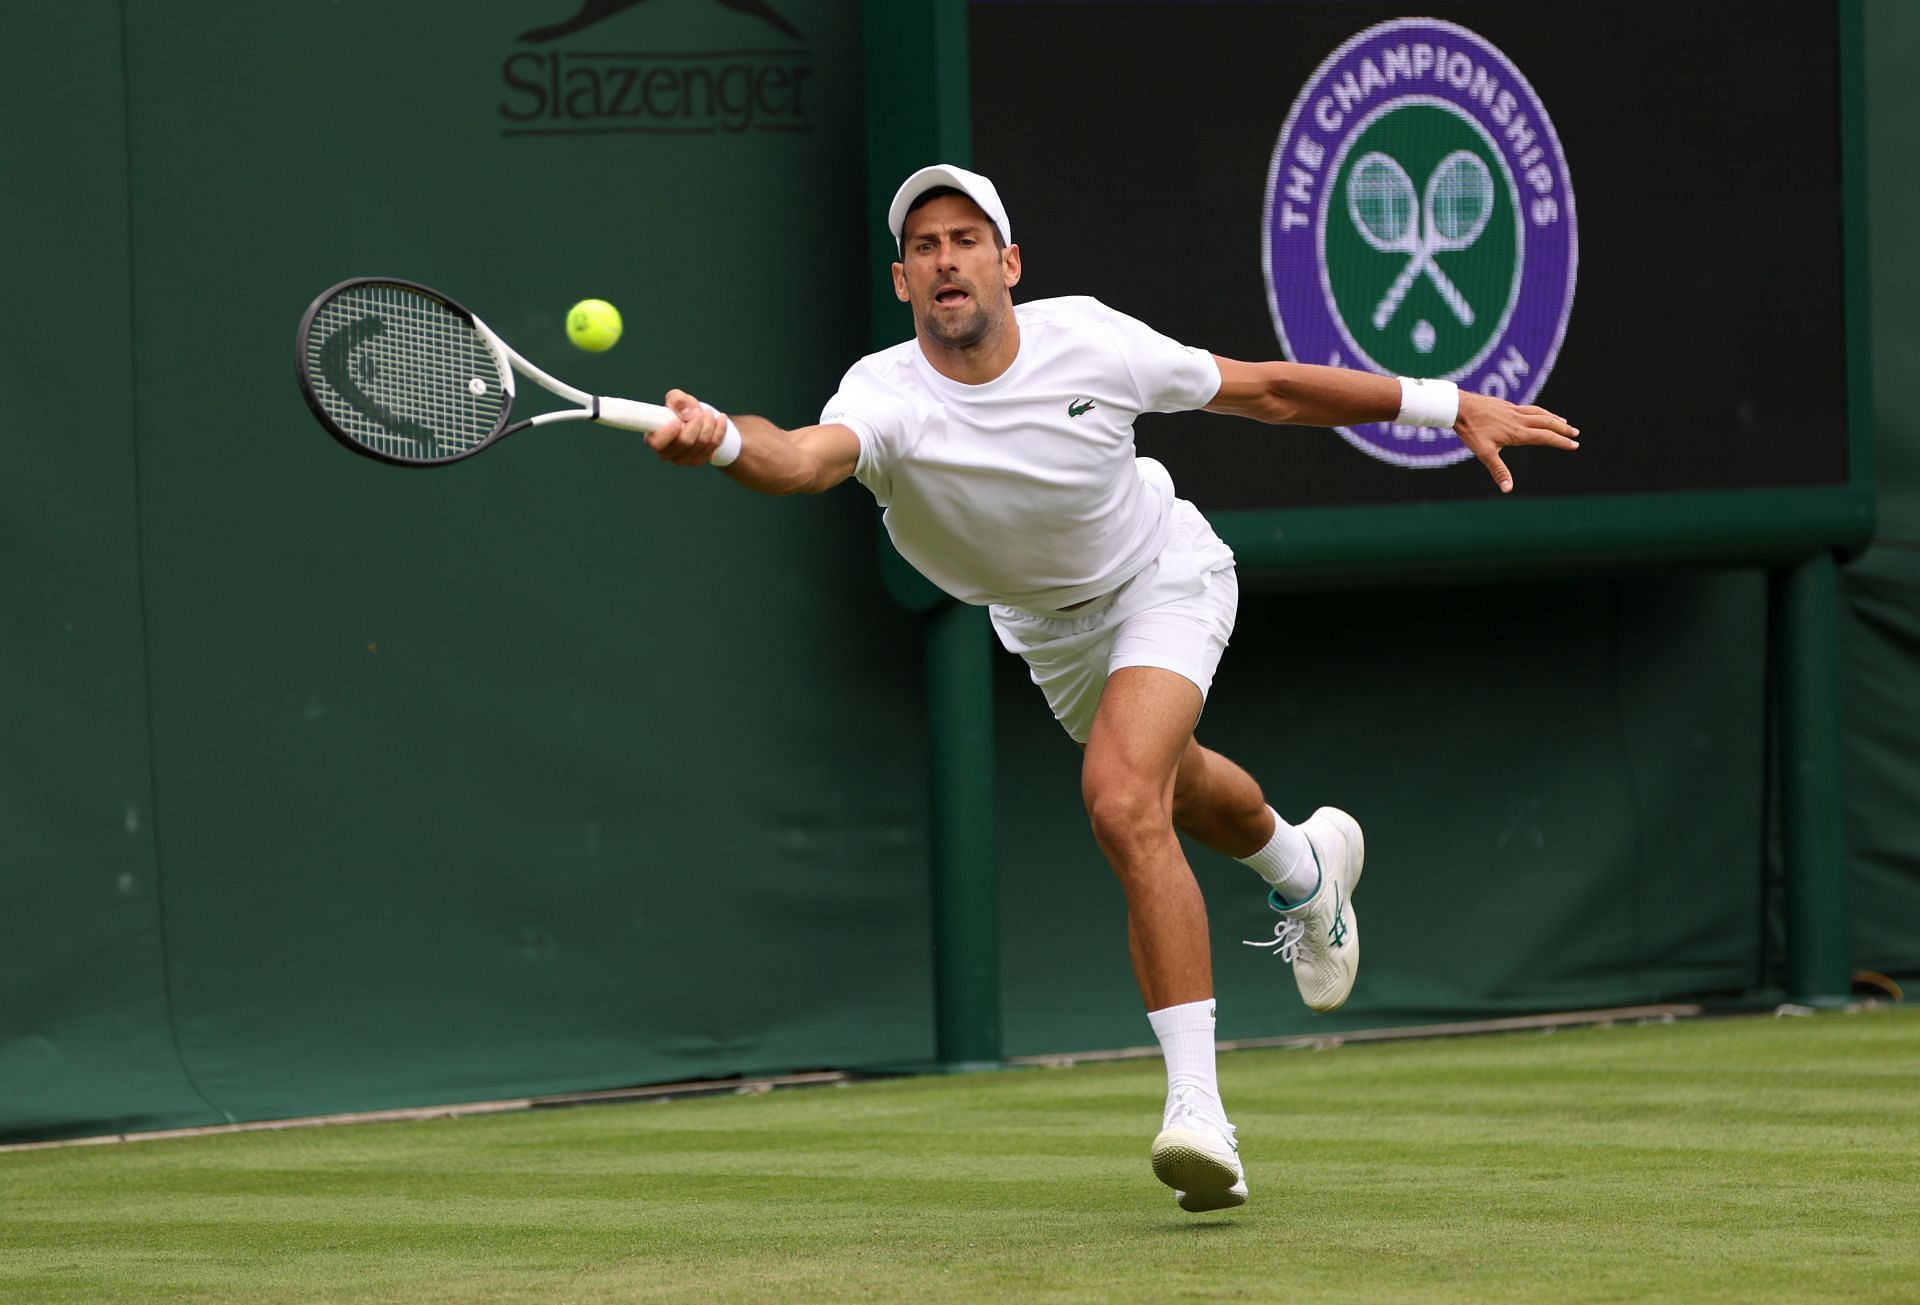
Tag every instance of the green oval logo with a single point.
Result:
(1423, 253)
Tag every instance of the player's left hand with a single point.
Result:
(1486, 425)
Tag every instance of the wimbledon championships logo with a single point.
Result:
(1420, 223)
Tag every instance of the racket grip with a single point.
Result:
(630, 414)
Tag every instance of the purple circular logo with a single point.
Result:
(1420, 222)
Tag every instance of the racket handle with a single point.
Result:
(630, 414)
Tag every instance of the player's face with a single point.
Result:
(954, 274)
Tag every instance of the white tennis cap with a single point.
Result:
(971, 184)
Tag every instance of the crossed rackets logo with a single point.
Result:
(1452, 214)
(1421, 254)
(1420, 222)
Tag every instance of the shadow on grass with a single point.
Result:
(1189, 1227)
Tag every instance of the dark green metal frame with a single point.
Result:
(918, 113)
(1806, 615)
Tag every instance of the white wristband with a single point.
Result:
(729, 449)
(1428, 403)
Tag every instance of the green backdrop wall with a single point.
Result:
(1882, 589)
(1571, 817)
(333, 787)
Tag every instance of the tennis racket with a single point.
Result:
(401, 373)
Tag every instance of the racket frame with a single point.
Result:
(623, 414)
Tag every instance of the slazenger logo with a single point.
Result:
(597, 11)
(555, 91)
(1420, 222)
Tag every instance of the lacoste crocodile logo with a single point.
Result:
(1078, 406)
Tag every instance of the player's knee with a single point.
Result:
(1125, 815)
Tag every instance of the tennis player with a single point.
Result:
(1000, 441)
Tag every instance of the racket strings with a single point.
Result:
(403, 374)
(1382, 200)
(1462, 199)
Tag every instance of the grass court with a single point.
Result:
(1736, 1160)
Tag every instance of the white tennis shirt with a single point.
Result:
(1023, 491)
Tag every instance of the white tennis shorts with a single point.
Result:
(1177, 615)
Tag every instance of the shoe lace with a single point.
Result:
(1185, 1105)
(1286, 940)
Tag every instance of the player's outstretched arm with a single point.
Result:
(771, 461)
(1302, 394)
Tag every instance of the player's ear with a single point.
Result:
(900, 282)
(1010, 266)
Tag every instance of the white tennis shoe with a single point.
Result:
(1320, 937)
(1196, 1155)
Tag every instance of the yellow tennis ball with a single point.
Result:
(593, 325)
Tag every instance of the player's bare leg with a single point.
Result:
(1140, 733)
(1219, 804)
(1312, 868)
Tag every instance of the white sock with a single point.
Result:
(1286, 862)
(1186, 1040)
